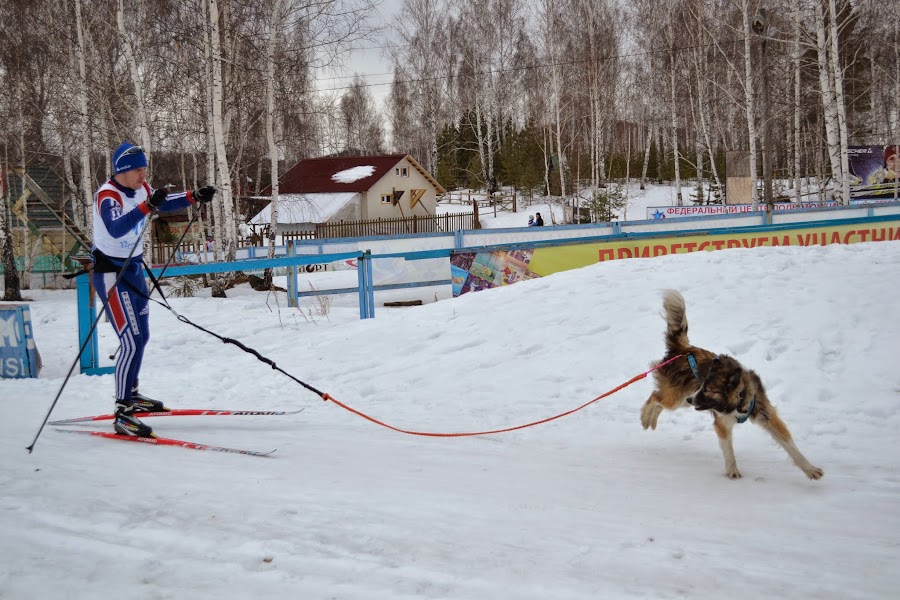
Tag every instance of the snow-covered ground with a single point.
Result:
(589, 506)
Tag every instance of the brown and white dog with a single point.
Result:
(717, 383)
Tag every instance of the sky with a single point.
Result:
(588, 506)
(369, 60)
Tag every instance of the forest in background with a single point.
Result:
(554, 97)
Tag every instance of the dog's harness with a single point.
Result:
(741, 417)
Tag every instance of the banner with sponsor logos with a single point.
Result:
(19, 356)
(874, 173)
(474, 271)
(674, 212)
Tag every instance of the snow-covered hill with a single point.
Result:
(589, 506)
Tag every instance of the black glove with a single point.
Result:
(204, 194)
(157, 198)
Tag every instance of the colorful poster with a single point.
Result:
(874, 173)
(474, 271)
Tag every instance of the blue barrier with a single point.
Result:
(89, 360)
(365, 284)
(19, 356)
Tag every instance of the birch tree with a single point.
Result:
(553, 53)
(829, 97)
(422, 67)
(226, 246)
(84, 215)
(843, 175)
(750, 104)
(276, 18)
(125, 35)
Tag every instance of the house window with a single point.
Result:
(387, 199)
(401, 171)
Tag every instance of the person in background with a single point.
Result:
(538, 220)
(120, 207)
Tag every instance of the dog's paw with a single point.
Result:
(733, 474)
(814, 473)
(650, 415)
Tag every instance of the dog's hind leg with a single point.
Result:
(723, 431)
(650, 411)
(771, 422)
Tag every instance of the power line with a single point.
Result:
(523, 68)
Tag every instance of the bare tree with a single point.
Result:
(362, 120)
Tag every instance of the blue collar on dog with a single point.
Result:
(693, 362)
(742, 417)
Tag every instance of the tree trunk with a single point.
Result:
(674, 114)
(748, 94)
(12, 291)
(838, 74)
(275, 19)
(826, 84)
(26, 242)
(798, 24)
(223, 176)
(647, 157)
(136, 80)
(84, 215)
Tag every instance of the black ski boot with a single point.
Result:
(143, 404)
(126, 423)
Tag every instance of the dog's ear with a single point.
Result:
(734, 378)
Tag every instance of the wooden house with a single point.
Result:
(351, 188)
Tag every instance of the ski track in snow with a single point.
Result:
(585, 507)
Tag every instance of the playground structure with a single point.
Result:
(45, 233)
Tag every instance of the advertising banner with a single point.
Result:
(674, 212)
(19, 357)
(874, 173)
(474, 271)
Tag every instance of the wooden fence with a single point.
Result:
(398, 226)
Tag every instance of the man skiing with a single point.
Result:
(120, 207)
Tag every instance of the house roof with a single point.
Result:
(341, 174)
(305, 208)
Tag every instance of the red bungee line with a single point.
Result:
(327, 397)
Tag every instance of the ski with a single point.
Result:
(162, 441)
(184, 412)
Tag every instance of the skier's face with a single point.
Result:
(893, 162)
(133, 178)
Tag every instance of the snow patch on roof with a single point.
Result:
(305, 208)
(351, 175)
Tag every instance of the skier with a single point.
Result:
(120, 207)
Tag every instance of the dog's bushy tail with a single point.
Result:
(676, 322)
